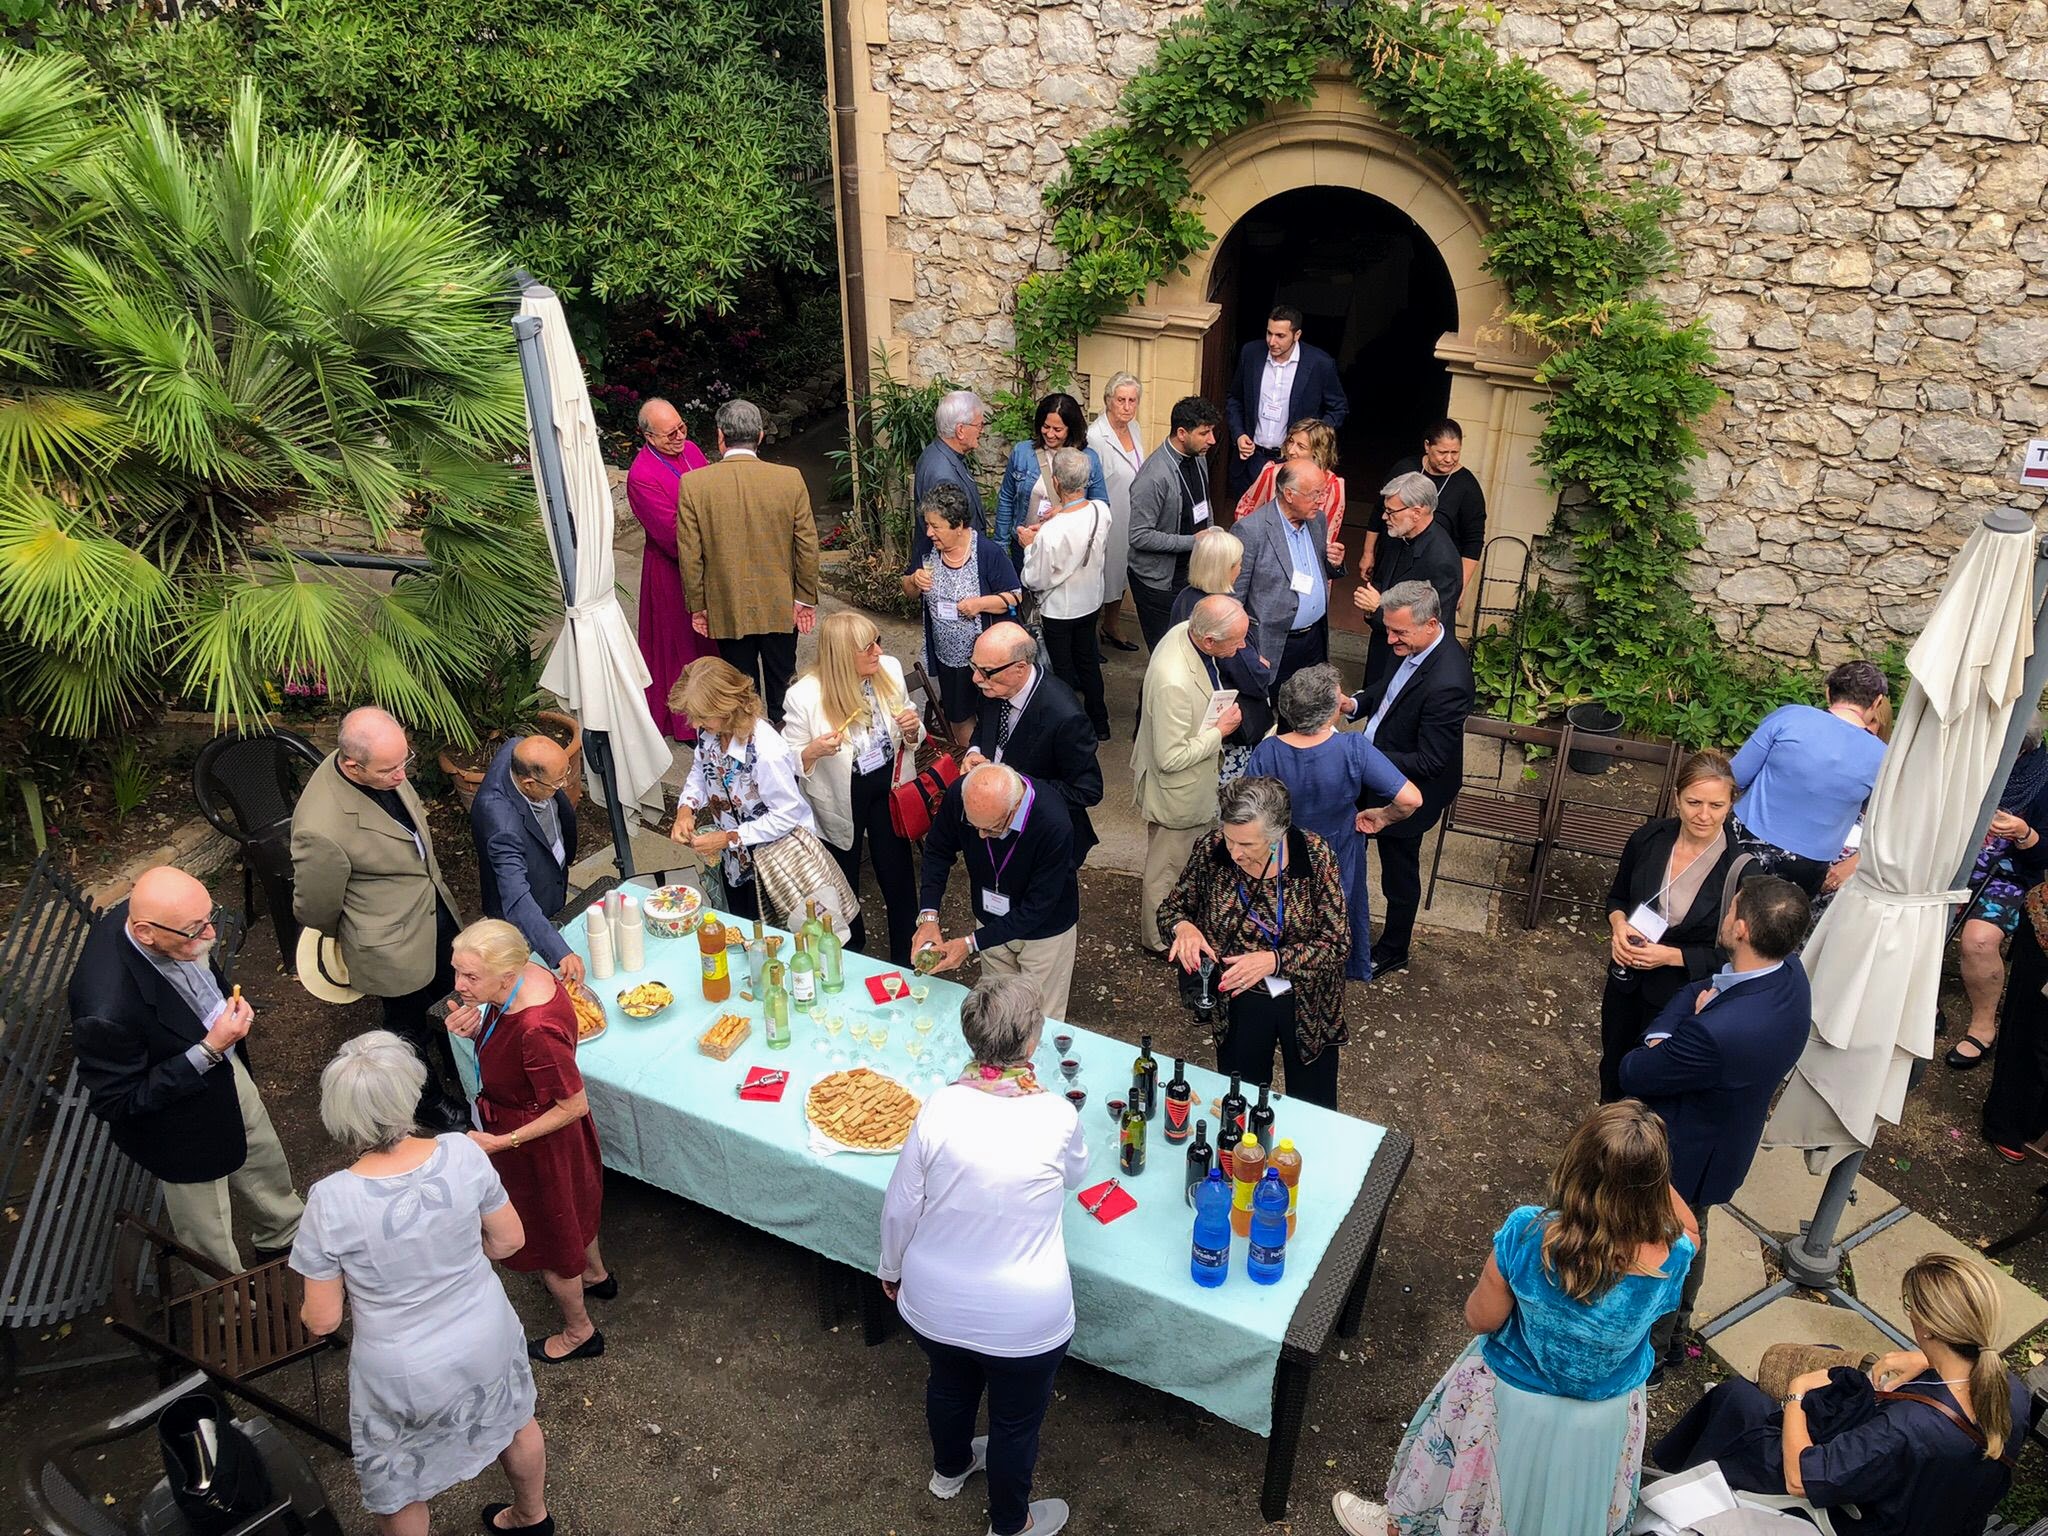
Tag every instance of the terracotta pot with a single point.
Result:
(468, 781)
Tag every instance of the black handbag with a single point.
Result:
(216, 1474)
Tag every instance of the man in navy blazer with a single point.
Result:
(525, 834)
(1016, 840)
(1714, 1057)
(1278, 382)
(1035, 723)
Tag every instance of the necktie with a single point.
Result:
(1003, 729)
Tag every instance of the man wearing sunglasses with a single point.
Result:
(158, 1037)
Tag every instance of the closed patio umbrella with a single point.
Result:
(595, 666)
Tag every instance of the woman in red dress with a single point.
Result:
(536, 1120)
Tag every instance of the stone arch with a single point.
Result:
(1336, 140)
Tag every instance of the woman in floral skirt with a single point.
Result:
(1537, 1428)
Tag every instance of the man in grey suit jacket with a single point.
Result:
(1284, 580)
(1169, 507)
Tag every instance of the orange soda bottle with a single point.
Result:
(1287, 1163)
(1247, 1163)
(711, 943)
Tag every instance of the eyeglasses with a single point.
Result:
(404, 765)
(990, 674)
(212, 919)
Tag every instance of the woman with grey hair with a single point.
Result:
(438, 1381)
(974, 1258)
(1328, 773)
(1120, 449)
(1063, 555)
(1213, 568)
(1262, 900)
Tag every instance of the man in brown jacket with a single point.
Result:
(748, 547)
(364, 872)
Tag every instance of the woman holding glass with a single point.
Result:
(1213, 569)
(1120, 450)
(966, 583)
(1026, 491)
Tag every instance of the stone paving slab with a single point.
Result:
(1779, 1194)
(1735, 1265)
(1880, 1264)
(1793, 1319)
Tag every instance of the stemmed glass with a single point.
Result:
(920, 990)
(1116, 1126)
(1070, 1069)
(892, 986)
(1063, 1043)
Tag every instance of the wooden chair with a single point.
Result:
(235, 1328)
(1593, 828)
(1518, 817)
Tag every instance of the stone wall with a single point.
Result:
(1861, 228)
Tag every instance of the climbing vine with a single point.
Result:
(1572, 248)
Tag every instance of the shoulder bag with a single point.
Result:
(914, 802)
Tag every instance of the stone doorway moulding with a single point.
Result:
(1336, 140)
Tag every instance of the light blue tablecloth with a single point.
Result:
(671, 1116)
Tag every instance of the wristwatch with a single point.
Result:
(1792, 1399)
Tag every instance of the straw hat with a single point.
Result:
(322, 971)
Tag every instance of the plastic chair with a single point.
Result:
(247, 787)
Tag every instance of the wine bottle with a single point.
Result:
(1227, 1137)
(803, 977)
(1130, 1157)
(775, 1006)
(1145, 1078)
(1199, 1156)
(1234, 1106)
(1179, 1103)
(831, 958)
(1261, 1122)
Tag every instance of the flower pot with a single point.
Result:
(564, 728)
(1591, 720)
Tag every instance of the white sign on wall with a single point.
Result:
(2034, 467)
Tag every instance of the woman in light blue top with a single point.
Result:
(1026, 490)
(1537, 1429)
(1804, 775)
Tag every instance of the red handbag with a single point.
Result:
(914, 802)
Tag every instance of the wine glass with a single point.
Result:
(1063, 1043)
(920, 990)
(892, 986)
(830, 1023)
(1070, 1068)
(1077, 1096)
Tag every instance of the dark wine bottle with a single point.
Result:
(1234, 1106)
(1145, 1079)
(1227, 1137)
(1261, 1122)
(1179, 1103)
(1200, 1155)
(1130, 1157)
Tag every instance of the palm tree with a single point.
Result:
(206, 354)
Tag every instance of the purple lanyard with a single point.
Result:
(996, 880)
(662, 459)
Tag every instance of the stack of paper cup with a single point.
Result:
(597, 933)
(631, 936)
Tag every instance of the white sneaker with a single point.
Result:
(1048, 1518)
(944, 1487)
(1358, 1517)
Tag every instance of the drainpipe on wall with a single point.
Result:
(853, 280)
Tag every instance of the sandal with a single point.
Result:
(1958, 1062)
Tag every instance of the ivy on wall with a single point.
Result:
(1572, 248)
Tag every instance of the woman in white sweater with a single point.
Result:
(855, 736)
(1063, 558)
(973, 1254)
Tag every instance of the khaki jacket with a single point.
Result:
(1173, 763)
(747, 543)
(356, 874)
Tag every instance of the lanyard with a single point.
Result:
(1270, 935)
(1664, 895)
(995, 880)
(497, 1019)
(663, 460)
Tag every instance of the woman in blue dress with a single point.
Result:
(1537, 1429)
(1026, 490)
(1326, 771)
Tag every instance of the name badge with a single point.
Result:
(994, 903)
(946, 612)
(871, 759)
(1854, 840)
(1201, 513)
(1302, 583)
(1647, 921)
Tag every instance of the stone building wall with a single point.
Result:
(1862, 228)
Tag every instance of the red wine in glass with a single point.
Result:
(1078, 1097)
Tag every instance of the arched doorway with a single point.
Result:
(1374, 293)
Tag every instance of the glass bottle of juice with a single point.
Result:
(711, 943)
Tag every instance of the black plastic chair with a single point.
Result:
(246, 787)
(63, 1504)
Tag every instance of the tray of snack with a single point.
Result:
(672, 911)
(727, 1034)
(860, 1111)
(589, 1011)
(645, 1000)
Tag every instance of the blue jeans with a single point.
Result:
(1019, 1389)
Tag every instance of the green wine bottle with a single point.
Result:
(831, 958)
(775, 1006)
(803, 977)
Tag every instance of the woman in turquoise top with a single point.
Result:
(1537, 1428)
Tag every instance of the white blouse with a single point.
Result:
(971, 1222)
(1064, 563)
(767, 803)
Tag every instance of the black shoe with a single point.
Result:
(1958, 1062)
(1386, 965)
(1656, 1378)
(545, 1526)
(1102, 733)
(606, 1289)
(589, 1349)
(1118, 643)
(444, 1116)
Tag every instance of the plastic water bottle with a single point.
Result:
(1267, 1259)
(1210, 1264)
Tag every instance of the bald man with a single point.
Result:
(1017, 841)
(158, 1038)
(364, 873)
(525, 834)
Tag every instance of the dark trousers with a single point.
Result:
(1400, 893)
(1019, 1391)
(1307, 647)
(2016, 1104)
(1258, 1022)
(1803, 872)
(1244, 471)
(1668, 1332)
(1155, 610)
(890, 855)
(770, 660)
(1626, 1009)
(406, 1016)
(1071, 648)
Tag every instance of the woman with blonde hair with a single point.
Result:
(536, 1118)
(1311, 439)
(1921, 1441)
(1537, 1428)
(855, 736)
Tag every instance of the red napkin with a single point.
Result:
(1121, 1202)
(875, 987)
(766, 1093)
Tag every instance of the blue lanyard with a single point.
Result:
(503, 1008)
(1270, 935)
(995, 880)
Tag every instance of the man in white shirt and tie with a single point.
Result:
(1278, 382)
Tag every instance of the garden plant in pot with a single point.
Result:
(505, 702)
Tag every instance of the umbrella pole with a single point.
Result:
(1814, 1259)
(533, 371)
